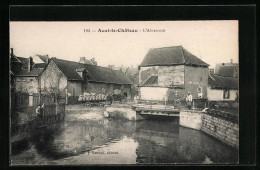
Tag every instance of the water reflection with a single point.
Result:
(103, 141)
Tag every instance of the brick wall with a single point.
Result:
(224, 130)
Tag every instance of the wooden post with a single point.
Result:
(66, 96)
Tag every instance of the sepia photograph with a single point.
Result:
(124, 92)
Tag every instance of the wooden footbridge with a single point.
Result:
(156, 110)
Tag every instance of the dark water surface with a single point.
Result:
(88, 138)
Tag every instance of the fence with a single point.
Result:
(22, 100)
(53, 113)
(50, 110)
(49, 100)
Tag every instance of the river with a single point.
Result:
(86, 137)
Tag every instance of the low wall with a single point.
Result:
(217, 124)
(122, 113)
(191, 119)
(224, 130)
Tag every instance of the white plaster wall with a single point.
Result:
(191, 119)
(153, 93)
(217, 95)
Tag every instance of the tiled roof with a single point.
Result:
(228, 71)
(219, 82)
(39, 65)
(101, 74)
(151, 81)
(94, 73)
(44, 58)
(33, 73)
(122, 77)
(171, 56)
(24, 61)
(68, 68)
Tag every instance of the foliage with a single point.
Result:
(223, 115)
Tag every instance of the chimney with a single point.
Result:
(30, 63)
(47, 60)
(12, 51)
(211, 71)
(82, 59)
(231, 61)
(93, 61)
(111, 66)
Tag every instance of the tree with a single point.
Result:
(53, 84)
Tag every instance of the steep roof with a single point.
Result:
(39, 65)
(35, 72)
(151, 81)
(174, 55)
(68, 68)
(24, 61)
(122, 77)
(44, 58)
(101, 74)
(94, 73)
(220, 82)
(228, 71)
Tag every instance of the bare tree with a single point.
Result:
(52, 85)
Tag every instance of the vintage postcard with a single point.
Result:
(124, 92)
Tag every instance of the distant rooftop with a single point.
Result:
(174, 55)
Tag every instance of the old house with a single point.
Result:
(227, 69)
(25, 82)
(71, 79)
(222, 89)
(223, 84)
(170, 72)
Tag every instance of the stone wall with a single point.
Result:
(224, 130)
(26, 85)
(74, 88)
(53, 80)
(171, 76)
(106, 88)
(219, 125)
(191, 119)
(195, 78)
(124, 113)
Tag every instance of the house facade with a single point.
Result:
(171, 72)
(71, 79)
(25, 79)
(222, 89)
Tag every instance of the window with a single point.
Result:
(226, 94)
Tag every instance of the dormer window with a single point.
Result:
(82, 72)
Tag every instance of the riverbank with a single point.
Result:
(220, 125)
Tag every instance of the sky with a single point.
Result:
(212, 41)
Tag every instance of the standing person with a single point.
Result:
(189, 100)
(42, 110)
(136, 98)
(38, 111)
